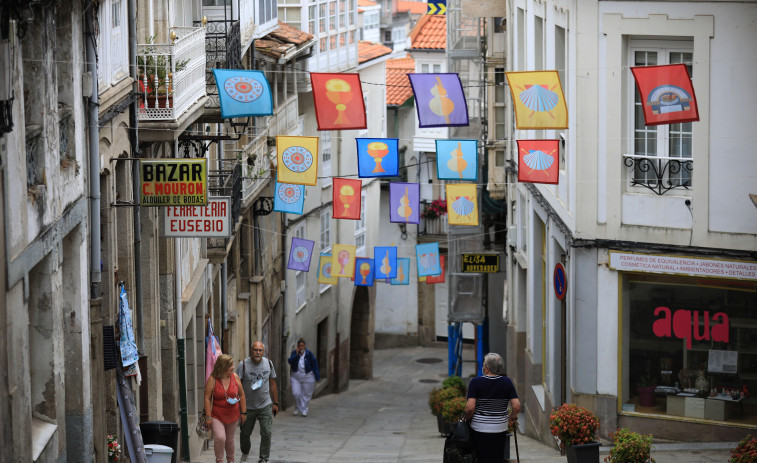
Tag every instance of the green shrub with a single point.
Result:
(438, 396)
(573, 425)
(746, 451)
(630, 447)
(454, 381)
(452, 409)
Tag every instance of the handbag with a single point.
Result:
(461, 434)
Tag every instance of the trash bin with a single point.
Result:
(158, 453)
(161, 433)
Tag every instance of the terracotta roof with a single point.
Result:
(430, 32)
(366, 3)
(412, 7)
(367, 51)
(398, 88)
(281, 41)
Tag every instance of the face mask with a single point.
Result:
(257, 384)
(232, 400)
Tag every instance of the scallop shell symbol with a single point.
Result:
(539, 98)
(463, 206)
(538, 160)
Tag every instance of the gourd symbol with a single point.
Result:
(441, 105)
(386, 269)
(405, 210)
(456, 162)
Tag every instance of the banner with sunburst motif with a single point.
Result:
(439, 100)
(297, 160)
(462, 204)
(243, 93)
(300, 253)
(324, 271)
(346, 197)
(538, 100)
(338, 99)
(385, 262)
(538, 161)
(289, 197)
(404, 202)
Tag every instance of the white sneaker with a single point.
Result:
(296, 412)
(244, 458)
(304, 414)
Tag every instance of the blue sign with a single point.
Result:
(560, 281)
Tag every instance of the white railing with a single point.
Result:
(285, 117)
(172, 76)
(256, 175)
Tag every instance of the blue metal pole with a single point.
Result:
(479, 349)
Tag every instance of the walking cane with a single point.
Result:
(515, 436)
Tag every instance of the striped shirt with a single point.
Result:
(492, 394)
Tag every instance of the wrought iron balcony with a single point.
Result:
(659, 174)
(223, 49)
(226, 181)
(171, 76)
(255, 162)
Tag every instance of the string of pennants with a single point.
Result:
(538, 102)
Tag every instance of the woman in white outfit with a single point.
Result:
(304, 374)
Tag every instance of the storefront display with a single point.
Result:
(691, 343)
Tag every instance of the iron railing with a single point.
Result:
(227, 181)
(223, 50)
(659, 174)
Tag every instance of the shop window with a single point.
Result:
(689, 347)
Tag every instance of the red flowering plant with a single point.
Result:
(114, 449)
(436, 209)
(746, 451)
(573, 425)
(438, 397)
(630, 447)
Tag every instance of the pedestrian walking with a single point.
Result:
(224, 397)
(258, 381)
(304, 375)
(489, 397)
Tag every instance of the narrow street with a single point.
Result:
(387, 419)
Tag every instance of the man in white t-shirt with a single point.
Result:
(259, 382)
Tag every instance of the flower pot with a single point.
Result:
(161, 101)
(445, 427)
(646, 396)
(585, 453)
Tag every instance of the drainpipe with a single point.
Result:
(284, 335)
(135, 175)
(93, 123)
(180, 353)
(224, 309)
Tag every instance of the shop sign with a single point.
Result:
(211, 221)
(681, 325)
(676, 265)
(480, 263)
(173, 182)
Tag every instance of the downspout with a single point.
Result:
(135, 175)
(224, 309)
(93, 124)
(285, 334)
(180, 353)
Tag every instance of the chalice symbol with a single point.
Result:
(339, 92)
(346, 194)
(365, 269)
(378, 150)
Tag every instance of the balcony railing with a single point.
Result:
(285, 117)
(226, 181)
(255, 162)
(172, 76)
(659, 174)
(223, 49)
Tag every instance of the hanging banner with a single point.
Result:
(324, 271)
(457, 159)
(243, 93)
(434, 279)
(364, 266)
(338, 99)
(289, 197)
(173, 182)
(211, 221)
(300, 253)
(385, 262)
(538, 161)
(404, 202)
(439, 100)
(667, 94)
(377, 157)
(403, 272)
(538, 99)
(346, 197)
(462, 204)
(343, 261)
(297, 160)
(427, 256)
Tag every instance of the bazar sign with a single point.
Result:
(480, 263)
(675, 265)
(211, 221)
(173, 182)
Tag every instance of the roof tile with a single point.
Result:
(398, 88)
(412, 6)
(367, 51)
(429, 33)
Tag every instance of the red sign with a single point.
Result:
(538, 161)
(211, 221)
(560, 281)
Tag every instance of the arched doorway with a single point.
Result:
(362, 334)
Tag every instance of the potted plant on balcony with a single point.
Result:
(156, 76)
(432, 214)
(575, 429)
(630, 447)
(645, 387)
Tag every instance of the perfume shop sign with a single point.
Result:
(211, 221)
(173, 182)
(676, 265)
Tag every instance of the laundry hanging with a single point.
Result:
(212, 350)
(127, 341)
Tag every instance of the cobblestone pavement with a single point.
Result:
(386, 419)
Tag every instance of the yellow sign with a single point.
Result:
(480, 263)
(173, 182)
